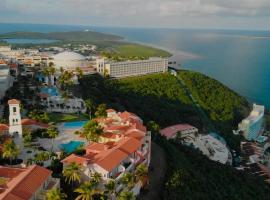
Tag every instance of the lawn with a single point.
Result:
(59, 117)
(137, 50)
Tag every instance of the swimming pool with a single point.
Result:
(74, 125)
(50, 91)
(71, 146)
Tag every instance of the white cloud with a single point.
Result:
(134, 11)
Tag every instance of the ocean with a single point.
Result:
(239, 59)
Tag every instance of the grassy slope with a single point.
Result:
(131, 50)
(57, 117)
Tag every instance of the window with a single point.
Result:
(14, 109)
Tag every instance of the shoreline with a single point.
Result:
(177, 55)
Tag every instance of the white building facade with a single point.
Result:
(15, 121)
(252, 126)
(132, 68)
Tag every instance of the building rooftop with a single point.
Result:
(171, 131)
(14, 101)
(68, 55)
(22, 183)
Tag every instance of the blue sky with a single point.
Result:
(219, 14)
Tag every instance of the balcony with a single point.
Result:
(53, 183)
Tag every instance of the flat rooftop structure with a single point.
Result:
(171, 131)
(137, 61)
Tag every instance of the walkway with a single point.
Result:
(210, 127)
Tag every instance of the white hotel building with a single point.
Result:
(132, 68)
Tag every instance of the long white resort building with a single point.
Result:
(132, 68)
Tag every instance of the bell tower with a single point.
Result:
(15, 121)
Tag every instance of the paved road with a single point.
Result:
(157, 171)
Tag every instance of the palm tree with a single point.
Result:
(27, 137)
(86, 191)
(79, 72)
(96, 178)
(72, 173)
(42, 156)
(90, 105)
(154, 128)
(55, 194)
(141, 172)
(101, 111)
(128, 180)
(92, 131)
(110, 188)
(65, 79)
(10, 150)
(126, 195)
(53, 133)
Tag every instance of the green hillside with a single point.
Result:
(160, 97)
(72, 36)
(192, 176)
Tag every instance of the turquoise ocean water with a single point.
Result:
(239, 59)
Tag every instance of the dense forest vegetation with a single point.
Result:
(161, 97)
(192, 176)
(223, 106)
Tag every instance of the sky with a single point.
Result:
(217, 14)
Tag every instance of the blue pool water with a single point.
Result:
(71, 146)
(74, 125)
(50, 91)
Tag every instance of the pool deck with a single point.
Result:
(65, 136)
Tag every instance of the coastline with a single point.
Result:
(177, 55)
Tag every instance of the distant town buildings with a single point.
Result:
(252, 126)
(6, 80)
(131, 68)
(29, 183)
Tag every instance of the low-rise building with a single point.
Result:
(131, 68)
(124, 145)
(29, 183)
(182, 129)
(6, 80)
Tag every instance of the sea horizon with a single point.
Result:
(237, 58)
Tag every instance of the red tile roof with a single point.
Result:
(24, 182)
(3, 127)
(13, 65)
(171, 131)
(32, 122)
(14, 101)
(108, 158)
(110, 111)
